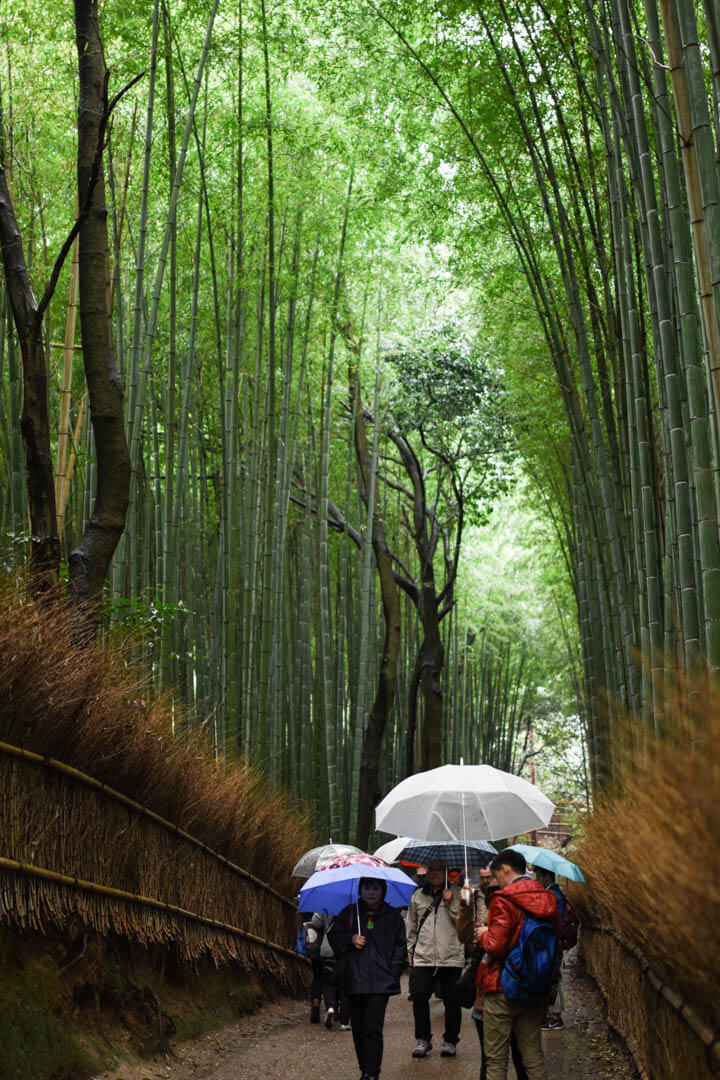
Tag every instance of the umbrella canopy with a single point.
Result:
(308, 863)
(335, 887)
(459, 802)
(391, 852)
(474, 853)
(550, 860)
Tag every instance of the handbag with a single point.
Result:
(333, 970)
(464, 991)
(313, 939)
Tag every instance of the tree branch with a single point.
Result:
(85, 210)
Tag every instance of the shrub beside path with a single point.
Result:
(278, 1043)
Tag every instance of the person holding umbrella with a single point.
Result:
(369, 936)
(311, 939)
(435, 954)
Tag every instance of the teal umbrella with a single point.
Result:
(549, 860)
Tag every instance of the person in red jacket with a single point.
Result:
(518, 894)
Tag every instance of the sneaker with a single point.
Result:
(448, 1049)
(315, 1012)
(422, 1048)
(553, 1022)
(345, 1027)
(329, 1017)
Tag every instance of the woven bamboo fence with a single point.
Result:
(663, 1032)
(71, 845)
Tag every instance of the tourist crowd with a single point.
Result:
(496, 950)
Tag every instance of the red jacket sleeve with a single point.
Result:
(503, 924)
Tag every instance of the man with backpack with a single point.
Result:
(521, 943)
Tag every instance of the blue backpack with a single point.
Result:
(532, 964)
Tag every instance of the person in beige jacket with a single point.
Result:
(435, 955)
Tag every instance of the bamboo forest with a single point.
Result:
(359, 418)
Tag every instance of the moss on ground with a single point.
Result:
(225, 997)
(71, 1006)
(34, 1039)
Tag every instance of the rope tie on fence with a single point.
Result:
(98, 785)
(710, 1038)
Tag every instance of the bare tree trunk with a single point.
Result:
(89, 562)
(431, 663)
(368, 794)
(412, 705)
(368, 779)
(426, 679)
(35, 422)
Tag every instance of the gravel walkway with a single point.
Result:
(278, 1043)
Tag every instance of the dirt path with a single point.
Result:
(278, 1043)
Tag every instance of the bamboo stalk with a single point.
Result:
(67, 478)
(136, 406)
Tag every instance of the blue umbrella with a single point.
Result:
(333, 889)
(547, 859)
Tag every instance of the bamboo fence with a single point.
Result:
(657, 1024)
(73, 845)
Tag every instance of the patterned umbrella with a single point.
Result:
(474, 853)
(349, 860)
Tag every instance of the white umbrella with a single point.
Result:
(390, 851)
(463, 802)
(316, 857)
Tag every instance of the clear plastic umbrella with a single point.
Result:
(308, 863)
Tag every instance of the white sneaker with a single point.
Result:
(447, 1049)
(329, 1017)
(345, 1027)
(422, 1048)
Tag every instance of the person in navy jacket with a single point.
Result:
(369, 940)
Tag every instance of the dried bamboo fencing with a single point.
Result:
(70, 844)
(659, 1027)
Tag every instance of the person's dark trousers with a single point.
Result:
(367, 1016)
(344, 1007)
(316, 985)
(331, 996)
(514, 1050)
(422, 987)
